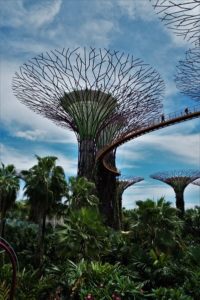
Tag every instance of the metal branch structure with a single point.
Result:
(122, 185)
(182, 16)
(196, 182)
(86, 90)
(188, 74)
(178, 180)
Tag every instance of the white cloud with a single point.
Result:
(184, 147)
(127, 152)
(31, 135)
(97, 32)
(23, 160)
(20, 120)
(44, 12)
(137, 9)
(16, 14)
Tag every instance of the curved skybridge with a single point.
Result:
(154, 124)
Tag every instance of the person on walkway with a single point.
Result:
(186, 111)
(162, 118)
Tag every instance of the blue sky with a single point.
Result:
(29, 27)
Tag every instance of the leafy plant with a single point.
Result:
(167, 294)
(156, 225)
(100, 281)
(9, 186)
(4, 291)
(81, 193)
(45, 185)
(83, 234)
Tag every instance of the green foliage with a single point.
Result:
(33, 285)
(22, 235)
(192, 225)
(4, 291)
(45, 185)
(170, 294)
(5, 269)
(83, 234)
(9, 186)
(156, 225)
(101, 281)
(155, 257)
(81, 193)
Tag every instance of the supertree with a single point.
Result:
(182, 16)
(85, 90)
(178, 180)
(188, 74)
(122, 185)
(99, 94)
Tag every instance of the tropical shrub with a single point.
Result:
(100, 281)
(9, 186)
(156, 225)
(83, 235)
(167, 294)
(4, 291)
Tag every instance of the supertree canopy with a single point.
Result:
(122, 185)
(182, 16)
(87, 90)
(178, 180)
(188, 74)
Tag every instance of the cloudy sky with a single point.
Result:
(29, 27)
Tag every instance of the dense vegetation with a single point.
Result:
(65, 251)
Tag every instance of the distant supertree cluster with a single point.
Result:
(188, 74)
(124, 183)
(182, 16)
(178, 180)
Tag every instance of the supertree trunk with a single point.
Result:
(180, 205)
(178, 180)
(122, 185)
(106, 185)
(119, 196)
(86, 159)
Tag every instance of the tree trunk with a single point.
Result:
(119, 197)
(2, 224)
(86, 159)
(107, 192)
(41, 234)
(180, 202)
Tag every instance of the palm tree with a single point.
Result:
(9, 186)
(156, 225)
(45, 186)
(81, 193)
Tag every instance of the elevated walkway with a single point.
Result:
(152, 125)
